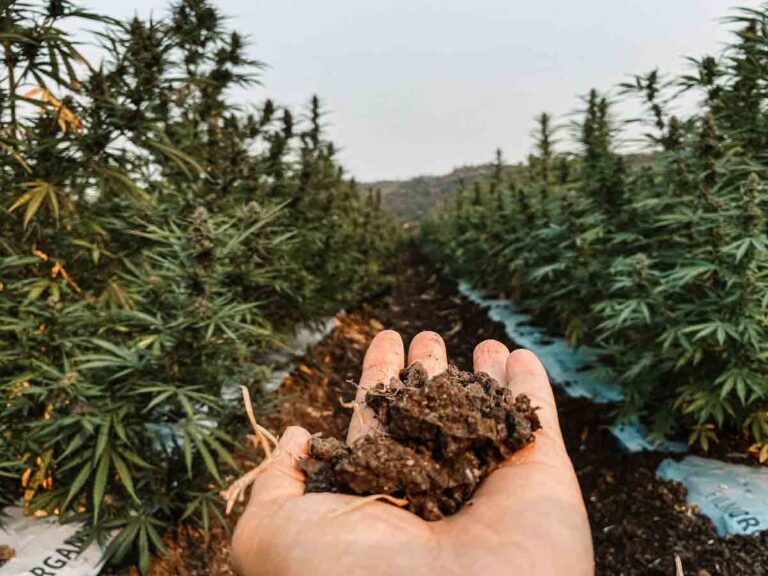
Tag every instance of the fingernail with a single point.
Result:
(294, 440)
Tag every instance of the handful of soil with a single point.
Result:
(440, 438)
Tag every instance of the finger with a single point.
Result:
(428, 349)
(384, 360)
(490, 357)
(281, 476)
(525, 374)
(542, 471)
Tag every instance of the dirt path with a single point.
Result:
(639, 524)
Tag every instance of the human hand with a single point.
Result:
(527, 517)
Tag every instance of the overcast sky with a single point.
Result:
(422, 86)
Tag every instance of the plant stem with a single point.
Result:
(11, 72)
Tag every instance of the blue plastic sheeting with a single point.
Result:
(635, 438)
(733, 496)
(576, 370)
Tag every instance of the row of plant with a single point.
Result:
(156, 240)
(659, 258)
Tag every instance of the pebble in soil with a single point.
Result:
(440, 437)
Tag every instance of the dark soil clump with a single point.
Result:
(441, 437)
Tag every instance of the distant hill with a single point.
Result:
(410, 200)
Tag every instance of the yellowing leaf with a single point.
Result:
(66, 119)
(37, 191)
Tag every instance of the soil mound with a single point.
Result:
(440, 438)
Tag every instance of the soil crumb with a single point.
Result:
(6, 553)
(440, 437)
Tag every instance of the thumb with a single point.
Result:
(281, 476)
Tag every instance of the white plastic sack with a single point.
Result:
(282, 360)
(733, 496)
(45, 548)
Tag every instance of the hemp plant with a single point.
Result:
(659, 259)
(157, 238)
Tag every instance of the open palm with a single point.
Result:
(526, 518)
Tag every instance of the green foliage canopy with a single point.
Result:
(155, 240)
